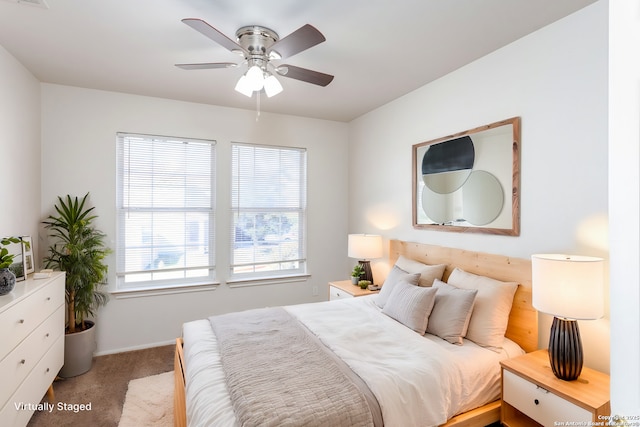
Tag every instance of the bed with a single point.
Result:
(401, 377)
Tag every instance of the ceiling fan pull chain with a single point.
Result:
(258, 105)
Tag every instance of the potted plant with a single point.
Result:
(7, 277)
(79, 250)
(364, 284)
(356, 273)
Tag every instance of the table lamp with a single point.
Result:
(365, 247)
(570, 288)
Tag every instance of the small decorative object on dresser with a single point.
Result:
(344, 289)
(7, 267)
(27, 255)
(532, 394)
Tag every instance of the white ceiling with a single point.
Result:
(377, 50)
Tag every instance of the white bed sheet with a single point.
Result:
(418, 381)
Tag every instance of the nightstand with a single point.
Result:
(533, 396)
(345, 289)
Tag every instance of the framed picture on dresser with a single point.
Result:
(18, 261)
(27, 255)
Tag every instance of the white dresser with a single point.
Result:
(32, 326)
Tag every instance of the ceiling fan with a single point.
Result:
(259, 46)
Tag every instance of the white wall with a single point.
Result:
(556, 80)
(624, 202)
(79, 132)
(20, 148)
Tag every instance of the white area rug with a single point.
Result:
(149, 402)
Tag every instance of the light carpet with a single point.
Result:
(149, 402)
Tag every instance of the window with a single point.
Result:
(268, 211)
(165, 211)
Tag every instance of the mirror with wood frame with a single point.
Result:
(463, 182)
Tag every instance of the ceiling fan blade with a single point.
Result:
(215, 35)
(301, 39)
(305, 75)
(206, 65)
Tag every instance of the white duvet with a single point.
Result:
(418, 381)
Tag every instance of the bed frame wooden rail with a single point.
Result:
(522, 327)
(179, 398)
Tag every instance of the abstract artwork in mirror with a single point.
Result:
(464, 182)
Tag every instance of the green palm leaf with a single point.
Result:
(78, 249)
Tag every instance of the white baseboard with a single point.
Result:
(136, 347)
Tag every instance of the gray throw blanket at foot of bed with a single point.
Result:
(280, 374)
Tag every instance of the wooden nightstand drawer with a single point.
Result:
(540, 404)
(337, 293)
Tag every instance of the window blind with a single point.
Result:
(165, 211)
(268, 211)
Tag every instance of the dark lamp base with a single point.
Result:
(367, 275)
(565, 349)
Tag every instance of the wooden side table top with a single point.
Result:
(351, 289)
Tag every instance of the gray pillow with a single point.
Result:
(451, 312)
(410, 305)
(395, 275)
(428, 273)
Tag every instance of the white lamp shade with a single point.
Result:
(568, 286)
(272, 86)
(365, 246)
(255, 75)
(244, 87)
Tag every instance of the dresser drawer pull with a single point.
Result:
(21, 321)
(23, 361)
(47, 371)
(542, 389)
(48, 298)
(536, 401)
(47, 335)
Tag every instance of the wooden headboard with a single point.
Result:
(523, 320)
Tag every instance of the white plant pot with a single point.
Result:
(78, 352)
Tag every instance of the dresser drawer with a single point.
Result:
(15, 367)
(538, 403)
(34, 387)
(20, 319)
(335, 293)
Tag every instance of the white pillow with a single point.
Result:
(410, 305)
(451, 312)
(428, 273)
(491, 310)
(395, 275)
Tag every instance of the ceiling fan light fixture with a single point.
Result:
(260, 45)
(244, 86)
(272, 86)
